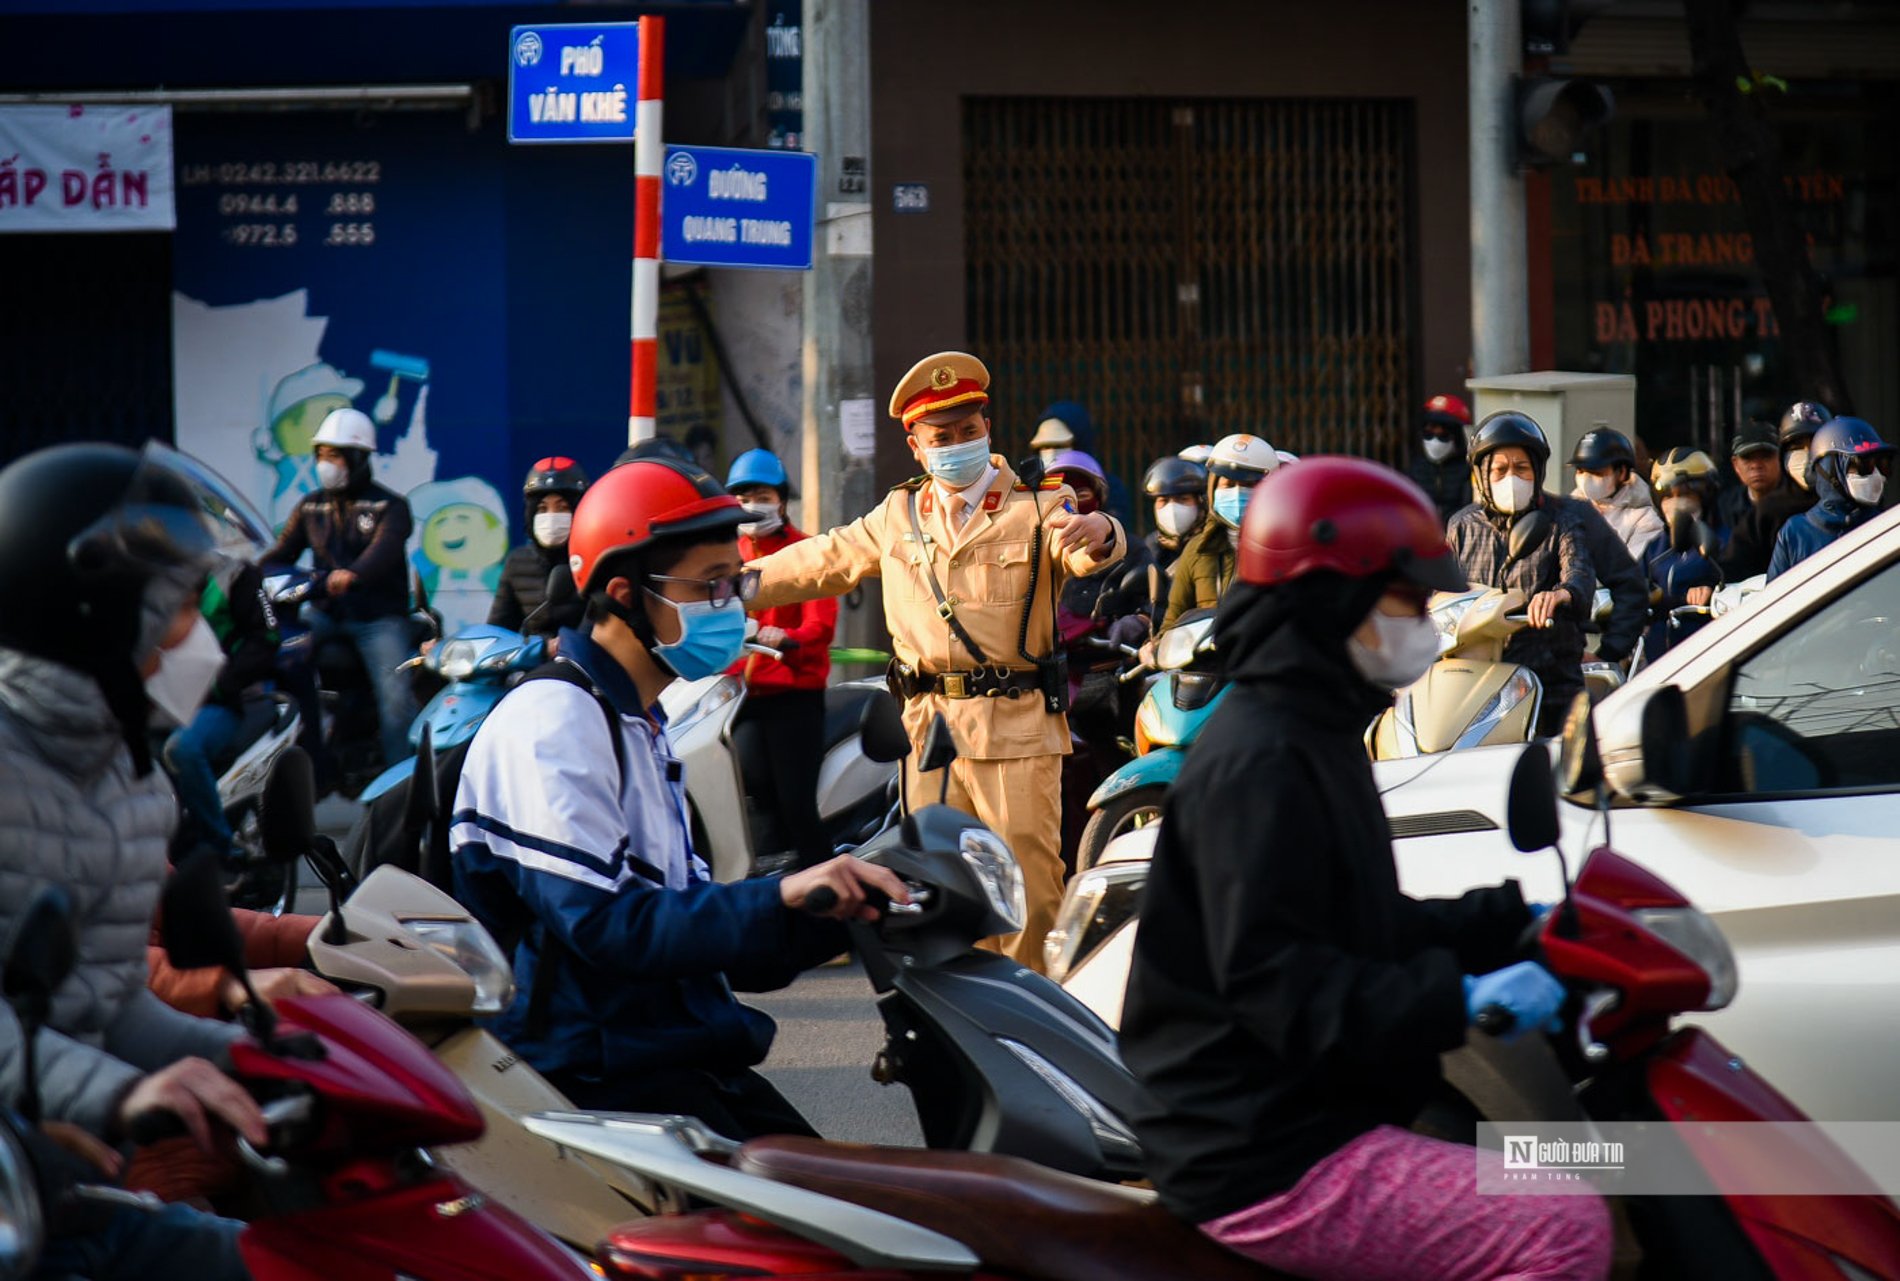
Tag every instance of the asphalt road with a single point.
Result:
(828, 1033)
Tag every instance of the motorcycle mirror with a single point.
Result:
(881, 730)
(1527, 533)
(1531, 810)
(44, 949)
(1683, 534)
(419, 802)
(286, 818)
(1578, 765)
(198, 932)
(560, 588)
(939, 747)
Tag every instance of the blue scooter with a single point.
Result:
(1171, 714)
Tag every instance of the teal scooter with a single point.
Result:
(1184, 694)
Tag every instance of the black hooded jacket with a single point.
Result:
(1285, 997)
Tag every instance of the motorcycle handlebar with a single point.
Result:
(824, 900)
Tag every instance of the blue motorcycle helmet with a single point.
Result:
(758, 467)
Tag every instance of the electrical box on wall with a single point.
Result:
(1565, 405)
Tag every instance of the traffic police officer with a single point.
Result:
(972, 560)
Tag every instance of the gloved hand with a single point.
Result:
(1528, 990)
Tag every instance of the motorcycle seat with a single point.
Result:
(1021, 1218)
(844, 710)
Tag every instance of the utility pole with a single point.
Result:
(1500, 311)
(842, 413)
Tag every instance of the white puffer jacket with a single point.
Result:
(72, 814)
(1632, 515)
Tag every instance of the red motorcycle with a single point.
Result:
(1634, 954)
(352, 1101)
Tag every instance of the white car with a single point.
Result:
(1777, 812)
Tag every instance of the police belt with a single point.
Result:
(984, 682)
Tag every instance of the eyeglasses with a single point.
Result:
(744, 585)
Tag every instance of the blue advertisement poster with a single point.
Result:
(323, 261)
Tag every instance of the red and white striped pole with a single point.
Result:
(649, 150)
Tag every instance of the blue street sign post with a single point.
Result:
(731, 207)
(573, 82)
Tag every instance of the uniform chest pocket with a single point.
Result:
(995, 573)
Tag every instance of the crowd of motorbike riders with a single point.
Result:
(151, 623)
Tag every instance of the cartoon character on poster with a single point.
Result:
(298, 405)
(460, 542)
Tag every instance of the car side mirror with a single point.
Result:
(1531, 808)
(939, 747)
(287, 813)
(1527, 533)
(881, 730)
(1644, 739)
(1578, 765)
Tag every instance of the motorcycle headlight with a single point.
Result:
(1693, 934)
(1446, 615)
(21, 1228)
(456, 659)
(1522, 685)
(500, 661)
(1099, 902)
(997, 872)
(1151, 730)
(467, 946)
(1178, 645)
(717, 695)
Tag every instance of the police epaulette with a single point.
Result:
(915, 482)
(1053, 482)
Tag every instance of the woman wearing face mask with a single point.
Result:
(1849, 475)
(1206, 565)
(1287, 1004)
(780, 730)
(1439, 466)
(1606, 479)
(1681, 563)
(1178, 490)
(1508, 456)
(553, 487)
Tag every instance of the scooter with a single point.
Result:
(1178, 703)
(1632, 952)
(857, 794)
(1471, 696)
(329, 681)
(350, 1101)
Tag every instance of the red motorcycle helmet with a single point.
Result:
(1448, 411)
(1346, 515)
(639, 503)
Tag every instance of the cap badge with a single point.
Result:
(942, 376)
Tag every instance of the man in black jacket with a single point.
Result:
(1616, 569)
(1287, 1004)
(358, 532)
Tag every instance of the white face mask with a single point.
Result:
(551, 528)
(185, 675)
(766, 519)
(1797, 466)
(1866, 490)
(1511, 495)
(1176, 519)
(1408, 646)
(1439, 450)
(332, 475)
(1598, 489)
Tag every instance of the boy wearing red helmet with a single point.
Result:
(572, 840)
(1287, 1004)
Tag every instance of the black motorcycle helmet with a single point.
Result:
(553, 475)
(1507, 427)
(1175, 478)
(1602, 449)
(100, 548)
(1803, 419)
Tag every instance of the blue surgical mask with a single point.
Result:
(1230, 505)
(958, 465)
(711, 637)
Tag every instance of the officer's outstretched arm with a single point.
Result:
(1079, 561)
(828, 564)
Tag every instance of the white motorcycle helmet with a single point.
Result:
(346, 428)
(1242, 457)
(1196, 454)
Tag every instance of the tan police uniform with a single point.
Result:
(1011, 746)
